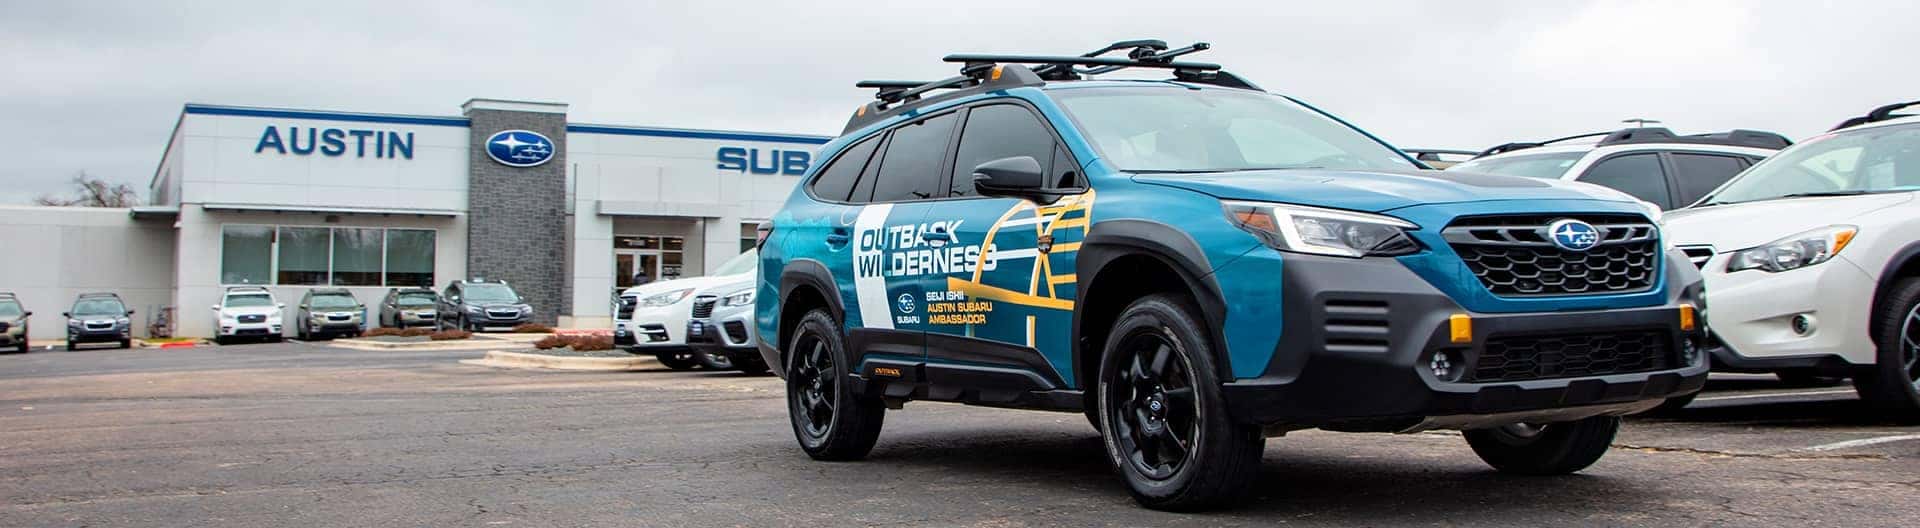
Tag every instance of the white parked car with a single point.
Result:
(1652, 164)
(248, 312)
(652, 318)
(721, 328)
(1812, 260)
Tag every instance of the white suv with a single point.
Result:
(1812, 260)
(248, 311)
(652, 318)
(1652, 164)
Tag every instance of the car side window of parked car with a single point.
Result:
(910, 168)
(1698, 174)
(1639, 175)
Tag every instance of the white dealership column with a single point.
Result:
(592, 255)
(722, 237)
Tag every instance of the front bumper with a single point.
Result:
(1361, 336)
(1753, 313)
(655, 328)
(231, 329)
(413, 318)
(730, 327)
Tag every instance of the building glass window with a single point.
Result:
(246, 255)
(410, 257)
(356, 256)
(749, 236)
(304, 253)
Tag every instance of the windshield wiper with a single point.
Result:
(1816, 194)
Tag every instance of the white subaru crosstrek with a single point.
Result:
(1812, 260)
(652, 318)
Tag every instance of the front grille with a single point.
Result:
(255, 318)
(503, 314)
(703, 306)
(736, 331)
(1699, 255)
(1355, 326)
(100, 326)
(1570, 356)
(338, 317)
(1514, 257)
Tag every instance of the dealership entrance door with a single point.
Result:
(640, 259)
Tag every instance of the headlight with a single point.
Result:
(667, 298)
(225, 316)
(741, 298)
(121, 321)
(73, 323)
(1323, 231)
(526, 309)
(473, 309)
(1794, 252)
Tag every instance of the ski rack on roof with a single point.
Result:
(981, 72)
(1628, 136)
(1878, 114)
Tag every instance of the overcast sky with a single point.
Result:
(97, 86)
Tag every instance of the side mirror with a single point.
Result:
(129, 313)
(216, 307)
(28, 314)
(282, 306)
(1018, 177)
(68, 315)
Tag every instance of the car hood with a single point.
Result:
(1376, 191)
(733, 285)
(1743, 225)
(698, 284)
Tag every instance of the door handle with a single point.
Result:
(838, 238)
(936, 238)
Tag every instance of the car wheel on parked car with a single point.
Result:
(1893, 382)
(678, 360)
(712, 360)
(1544, 449)
(829, 420)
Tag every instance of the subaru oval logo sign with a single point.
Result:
(519, 148)
(906, 303)
(1573, 235)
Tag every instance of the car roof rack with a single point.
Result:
(99, 294)
(1640, 135)
(1427, 154)
(982, 72)
(231, 289)
(1878, 114)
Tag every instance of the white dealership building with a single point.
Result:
(567, 212)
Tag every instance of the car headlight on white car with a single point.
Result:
(740, 298)
(666, 299)
(1794, 252)
(1319, 231)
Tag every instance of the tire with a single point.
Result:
(301, 332)
(829, 420)
(1551, 449)
(1890, 384)
(1157, 381)
(712, 360)
(1806, 378)
(126, 343)
(749, 363)
(220, 340)
(24, 347)
(677, 360)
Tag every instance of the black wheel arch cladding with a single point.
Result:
(1111, 241)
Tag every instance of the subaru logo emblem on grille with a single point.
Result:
(1573, 235)
(519, 148)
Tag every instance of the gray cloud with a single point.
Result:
(97, 86)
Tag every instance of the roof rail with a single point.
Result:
(1630, 136)
(986, 71)
(1878, 114)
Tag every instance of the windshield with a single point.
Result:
(107, 306)
(1874, 160)
(1175, 129)
(741, 263)
(250, 300)
(10, 309)
(332, 301)
(1542, 166)
(491, 293)
(417, 299)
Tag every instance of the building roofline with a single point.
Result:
(362, 117)
(690, 133)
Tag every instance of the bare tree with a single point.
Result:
(94, 192)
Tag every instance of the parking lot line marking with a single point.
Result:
(1775, 395)
(1863, 442)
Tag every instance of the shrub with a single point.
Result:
(532, 328)
(417, 332)
(382, 331)
(447, 335)
(552, 342)
(592, 343)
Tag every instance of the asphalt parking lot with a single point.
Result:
(296, 434)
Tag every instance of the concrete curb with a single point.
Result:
(503, 359)
(142, 343)
(368, 344)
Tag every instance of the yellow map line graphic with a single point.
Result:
(1048, 219)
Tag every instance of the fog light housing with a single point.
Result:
(1689, 352)
(1446, 366)
(1802, 325)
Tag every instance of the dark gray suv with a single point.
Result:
(99, 318)
(477, 305)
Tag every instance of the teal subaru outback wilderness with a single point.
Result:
(1199, 265)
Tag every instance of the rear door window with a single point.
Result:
(910, 168)
(1639, 175)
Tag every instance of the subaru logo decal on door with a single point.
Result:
(519, 148)
(1573, 235)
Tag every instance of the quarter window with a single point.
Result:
(910, 169)
(998, 131)
(836, 180)
(1639, 175)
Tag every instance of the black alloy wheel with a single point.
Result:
(829, 420)
(1157, 418)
